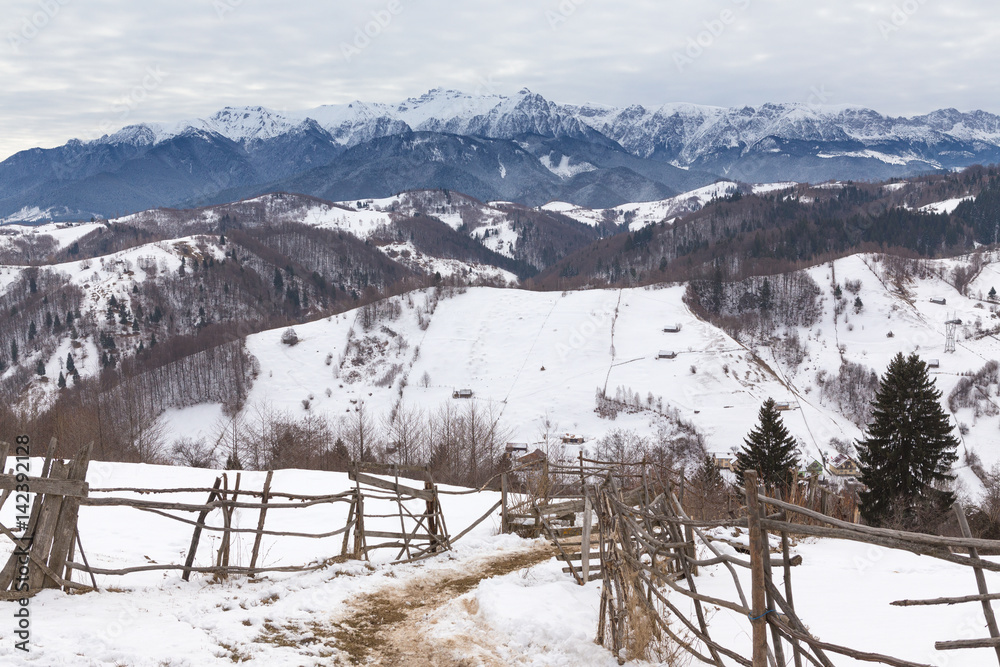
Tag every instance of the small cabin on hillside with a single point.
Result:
(938, 300)
(933, 363)
(570, 439)
(784, 405)
(666, 354)
(672, 328)
(724, 462)
(515, 448)
(462, 393)
(844, 466)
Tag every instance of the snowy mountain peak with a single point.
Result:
(252, 123)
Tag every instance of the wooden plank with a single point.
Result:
(937, 601)
(347, 526)
(758, 609)
(398, 536)
(504, 525)
(260, 520)
(991, 620)
(7, 574)
(785, 553)
(779, 651)
(362, 478)
(967, 643)
(196, 536)
(48, 486)
(41, 546)
(585, 539)
(62, 543)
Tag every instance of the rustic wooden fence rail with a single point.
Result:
(44, 554)
(649, 556)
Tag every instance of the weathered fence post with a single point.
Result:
(991, 620)
(758, 552)
(585, 536)
(193, 549)
(62, 541)
(260, 521)
(504, 525)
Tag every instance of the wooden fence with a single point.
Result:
(47, 540)
(649, 553)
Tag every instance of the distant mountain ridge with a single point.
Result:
(523, 148)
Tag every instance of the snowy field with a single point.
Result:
(532, 615)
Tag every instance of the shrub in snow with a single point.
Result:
(289, 337)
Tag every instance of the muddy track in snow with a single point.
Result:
(386, 627)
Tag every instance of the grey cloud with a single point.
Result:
(81, 68)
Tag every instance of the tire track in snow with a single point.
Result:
(526, 357)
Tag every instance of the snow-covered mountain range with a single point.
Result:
(523, 148)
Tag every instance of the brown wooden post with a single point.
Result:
(779, 651)
(758, 604)
(585, 537)
(193, 549)
(62, 543)
(786, 553)
(359, 529)
(347, 527)
(504, 525)
(9, 570)
(228, 543)
(260, 521)
(47, 520)
(991, 620)
(224, 497)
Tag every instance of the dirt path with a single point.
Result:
(385, 627)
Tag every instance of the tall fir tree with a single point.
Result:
(769, 450)
(908, 448)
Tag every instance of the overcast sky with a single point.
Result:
(71, 68)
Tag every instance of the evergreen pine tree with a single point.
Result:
(70, 365)
(908, 448)
(765, 296)
(40, 367)
(993, 294)
(62, 381)
(32, 330)
(769, 450)
(13, 351)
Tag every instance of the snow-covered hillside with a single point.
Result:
(642, 214)
(538, 359)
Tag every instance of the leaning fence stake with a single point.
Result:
(758, 595)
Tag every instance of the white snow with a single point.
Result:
(642, 214)
(563, 169)
(948, 206)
